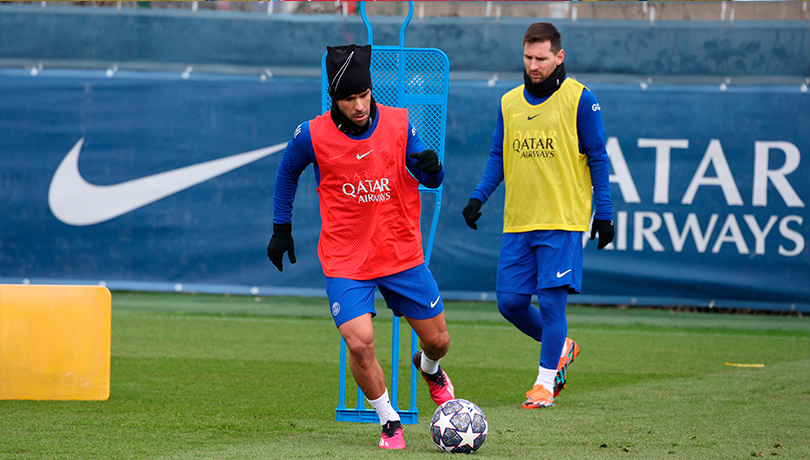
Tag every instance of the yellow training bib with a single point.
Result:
(547, 180)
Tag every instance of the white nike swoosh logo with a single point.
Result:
(433, 304)
(360, 157)
(560, 275)
(75, 201)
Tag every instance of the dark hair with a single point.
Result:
(543, 32)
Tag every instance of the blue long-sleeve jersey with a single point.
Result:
(299, 154)
(591, 132)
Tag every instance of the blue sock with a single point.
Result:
(555, 324)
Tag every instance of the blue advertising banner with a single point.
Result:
(161, 181)
(709, 195)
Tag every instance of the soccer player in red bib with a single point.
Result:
(549, 151)
(369, 162)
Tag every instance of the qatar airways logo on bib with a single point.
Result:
(368, 190)
(534, 144)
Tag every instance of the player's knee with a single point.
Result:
(360, 347)
(512, 306)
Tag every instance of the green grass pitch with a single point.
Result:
(218, 377)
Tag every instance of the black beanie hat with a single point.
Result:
(348, 69)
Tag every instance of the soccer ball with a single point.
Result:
(458, 426)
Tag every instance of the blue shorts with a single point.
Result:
(540, 259)
(412, 293)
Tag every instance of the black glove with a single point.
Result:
(605, 230)
(281, 242)
(471, 212)
(427, 161)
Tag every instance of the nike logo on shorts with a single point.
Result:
(433, 304)
(560, 275)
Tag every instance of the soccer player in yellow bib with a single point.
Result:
(549, 150)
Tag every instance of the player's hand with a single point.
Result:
(281, 242)
(427, 161)
(472, 212)
(605, 230)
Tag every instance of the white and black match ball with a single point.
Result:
(459, 426)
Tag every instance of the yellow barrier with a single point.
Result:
(55, 342)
